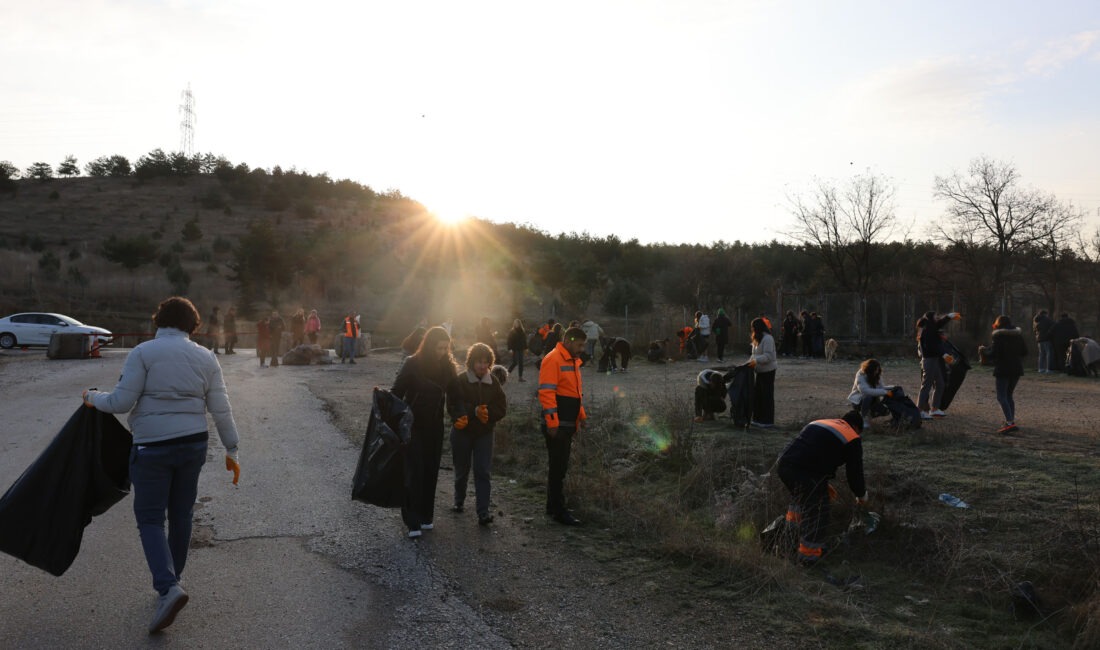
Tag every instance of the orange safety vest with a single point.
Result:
(350, 327)
(840, 429)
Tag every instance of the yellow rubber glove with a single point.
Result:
(462, 422)
(231, 465)
(482, 412)
(889, 393)
(949, 359)
(752, 363)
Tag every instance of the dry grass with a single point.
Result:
(932, 576)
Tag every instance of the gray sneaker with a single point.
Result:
(168, 606)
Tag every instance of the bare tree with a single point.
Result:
(989, 207)
(1053, 257)
(844, 226)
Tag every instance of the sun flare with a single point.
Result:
(449, 217)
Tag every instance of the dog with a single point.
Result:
(615, 350)
(830, 350)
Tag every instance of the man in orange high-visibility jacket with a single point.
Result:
(351, 338)
(805, 467)
(562, 416)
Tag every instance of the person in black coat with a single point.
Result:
(805, 328)
(1006, 353)
(517, 345)
(789, 344)
(422, 384)
(721, 328)
(1064, 331)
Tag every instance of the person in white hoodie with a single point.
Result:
(594, 333)
(763, 362)
(867, 389)
(167, 385)
(702, 325)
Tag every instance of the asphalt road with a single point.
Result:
(285, 560)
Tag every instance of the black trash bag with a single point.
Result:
(902, 409)
(741, 385)
(956, 373)
(82, 473)
(1075, 362)
(380, 475)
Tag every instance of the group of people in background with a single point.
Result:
(1053, 338)
(221, 332)
(1005, 353)
(807, 328)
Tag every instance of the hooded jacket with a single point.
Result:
(1006, 352)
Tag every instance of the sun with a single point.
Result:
(449, 217)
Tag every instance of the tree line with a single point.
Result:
(998, 243)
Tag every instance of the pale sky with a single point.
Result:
(676, 121)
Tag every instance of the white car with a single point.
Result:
(36, 328)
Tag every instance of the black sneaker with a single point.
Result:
(484, 520)
(456, 508)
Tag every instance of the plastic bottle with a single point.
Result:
(953, 501)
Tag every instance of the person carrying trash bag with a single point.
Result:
(167, 385)
(422, 384)
(933, 364)
(805, 467)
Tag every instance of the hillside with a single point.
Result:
(259, 239)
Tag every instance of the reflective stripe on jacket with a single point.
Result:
(824, 445)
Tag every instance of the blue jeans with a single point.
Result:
(478, 449)
(166, 479)
(1046, 349)
(347, 351)
(1005, 388)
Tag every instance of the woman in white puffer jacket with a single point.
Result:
(867, 389)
